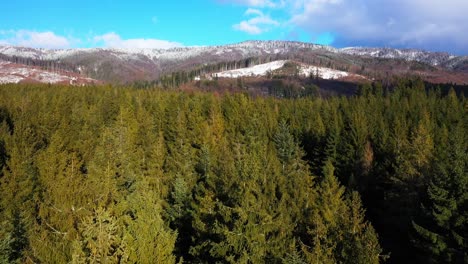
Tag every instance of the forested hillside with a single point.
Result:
(123, 175)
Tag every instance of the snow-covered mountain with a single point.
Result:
(123, 65)
(148, 64)
(431, 58)
(248, 48)
(233, 51)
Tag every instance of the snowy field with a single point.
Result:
(324, 73)
(263, 69)
(257, 70)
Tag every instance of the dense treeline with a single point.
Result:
(112, 175)
(48, 65)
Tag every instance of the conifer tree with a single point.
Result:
(101, 240)
(20, 188)
(337, 231)
(148, 238)
(441, 232)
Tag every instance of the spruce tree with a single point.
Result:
(441, 231)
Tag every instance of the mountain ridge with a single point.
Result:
(124, 65)
(378, 52)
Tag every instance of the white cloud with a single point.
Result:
(252, 11)
(50, 40)
(248, 28)
(427, 24)
(258, 24)
(34, 39)
(113, 40)
(430, 24)
(42, 39)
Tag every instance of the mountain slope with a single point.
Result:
(275, 67)
(18, 73)
(119, 65)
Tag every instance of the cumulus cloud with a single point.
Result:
(113, 40)
(257, 24)
(50, 40)
(35, 39)
(430, 24)
(427, 24)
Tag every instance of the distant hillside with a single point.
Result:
(123, 66)
(20, 73)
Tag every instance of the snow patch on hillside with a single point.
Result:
(323, 73)
(257, 70)
(10, 79)
(263, 69)
(14, 73)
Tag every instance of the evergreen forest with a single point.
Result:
(124, 175)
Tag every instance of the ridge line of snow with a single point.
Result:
(244, 49)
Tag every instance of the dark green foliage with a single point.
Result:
(19, 240)
(442, 229)
(117, 175)
(284, 142)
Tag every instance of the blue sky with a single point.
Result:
(430, 24)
